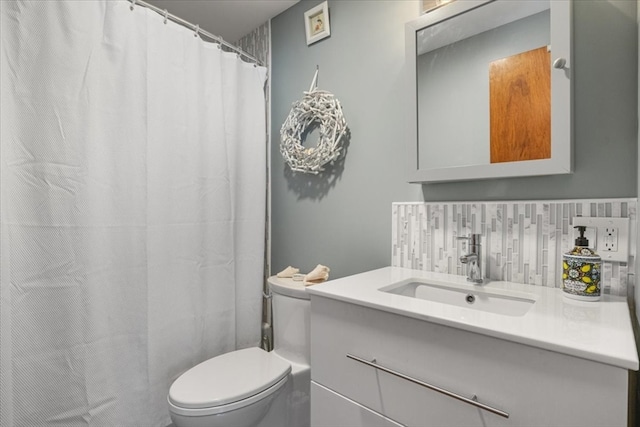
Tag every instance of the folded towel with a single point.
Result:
(319, 274)
(288, 272)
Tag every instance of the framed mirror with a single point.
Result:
(491, 82)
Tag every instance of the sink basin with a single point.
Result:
(492, 301)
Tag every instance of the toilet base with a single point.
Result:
(298, 397)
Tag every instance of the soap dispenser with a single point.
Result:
(581, 270)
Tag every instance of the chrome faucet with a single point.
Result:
(473, 259)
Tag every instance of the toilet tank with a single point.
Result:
(291, 318)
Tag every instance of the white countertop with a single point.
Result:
(600, 331)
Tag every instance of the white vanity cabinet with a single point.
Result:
(534, 386)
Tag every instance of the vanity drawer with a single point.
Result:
(534, 386)
(331, 409)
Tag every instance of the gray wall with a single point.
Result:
(637, 294)
(343, 219)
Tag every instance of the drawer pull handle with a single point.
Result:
(473, 401)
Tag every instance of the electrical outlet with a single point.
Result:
(611, 239)
(612, 236)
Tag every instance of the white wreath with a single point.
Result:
(317, 107)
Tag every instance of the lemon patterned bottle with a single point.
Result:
(581, 271)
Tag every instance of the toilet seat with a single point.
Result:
(201, 412)
(228, 382)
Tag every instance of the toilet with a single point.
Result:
(252, 387)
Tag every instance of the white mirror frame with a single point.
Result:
(561, 161)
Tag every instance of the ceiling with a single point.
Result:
(230, 19)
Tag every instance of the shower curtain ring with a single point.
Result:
(133, 3)
(197, 31)
(166, 16)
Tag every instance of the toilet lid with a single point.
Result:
(288, 287)
(228, 378)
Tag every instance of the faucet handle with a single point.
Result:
(474, 239)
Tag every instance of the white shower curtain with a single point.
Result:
(132, 163)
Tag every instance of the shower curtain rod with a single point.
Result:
(195, 28)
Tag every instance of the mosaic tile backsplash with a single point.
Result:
(257, 43)
(522, 242)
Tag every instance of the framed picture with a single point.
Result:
(429, 5)
(316, 23)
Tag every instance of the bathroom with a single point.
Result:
(344, 218)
